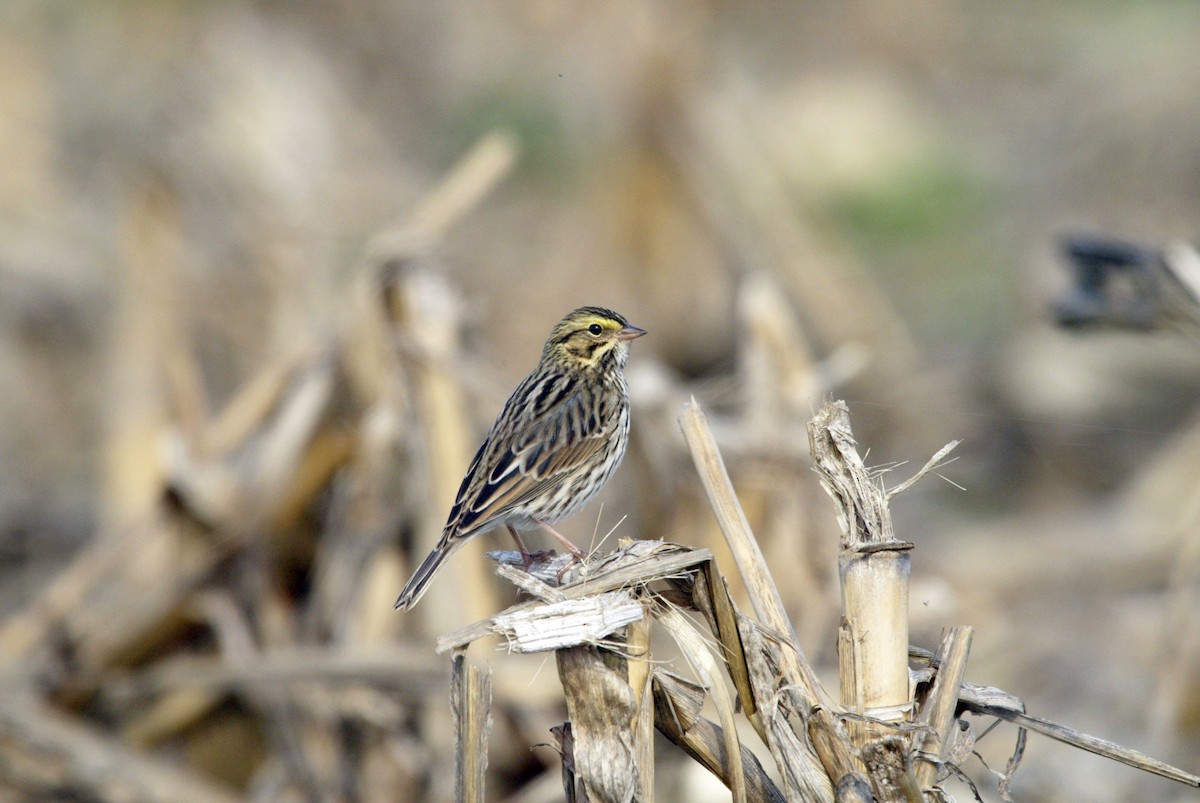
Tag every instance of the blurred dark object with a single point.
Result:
(1127, 284)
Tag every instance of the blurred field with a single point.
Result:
(253, 324)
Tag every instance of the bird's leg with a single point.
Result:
(577, 555)
(525, 556)
(562, 539)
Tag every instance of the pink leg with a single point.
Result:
(562, 539)
(525, 556)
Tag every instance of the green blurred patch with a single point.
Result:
(922, 200)
(547, 152)
(925, 230)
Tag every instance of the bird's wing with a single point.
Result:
(513, 468)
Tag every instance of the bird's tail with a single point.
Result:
(419, 583)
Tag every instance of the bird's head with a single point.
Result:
(591, 337)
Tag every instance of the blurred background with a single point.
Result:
(251, 333)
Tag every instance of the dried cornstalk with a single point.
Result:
(46, 752)
(639, 563)
(825, 735)
(994, 702)
(604, 710)
(874, 569)
(191, 486)
(939, 708)
(471, 705)
(677, 716)
(608, 678)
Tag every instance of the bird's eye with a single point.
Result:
(595, 329)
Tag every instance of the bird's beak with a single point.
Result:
(630, 333)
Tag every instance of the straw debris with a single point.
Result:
(896, 735)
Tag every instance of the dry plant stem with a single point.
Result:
(291, 735)
(401, 667)
(431, 320)
(764, 597)
(146, 328)
(146, 333)
(249, 407)
(1092, 744)
(639, 669)
(664, 563)
(428, 316)
(601, 707)
(490, 159)
(1179, 654)
(874, 571)
(887, 761)
(531, 585)
(471, 707)
(566, 750)
(873, 632)
(104, 554)
(791, 754)
(125, 590)
(476, 174)
(677, 716)
(568, 623)
(938, 711)
(1182, 261)
(702, 661)
(711, 594)
(260, 459)
(45, 750)
(830, 746)
(169, 715)
(420, 305)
